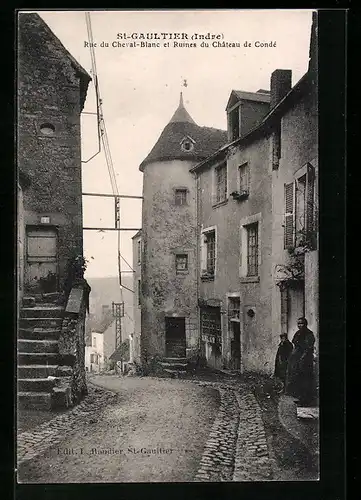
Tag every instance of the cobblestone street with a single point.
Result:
(152, 429)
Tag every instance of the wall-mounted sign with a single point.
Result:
(44, 220)
(74, 300)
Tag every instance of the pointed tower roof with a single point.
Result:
(181, 127)
(181, 114)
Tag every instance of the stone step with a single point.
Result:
(36, 298)
(42, 311)
(35, 384)
(37, 358)
(175, 372)
(36, 371)
(172, 353)
(37, 346)
(40, 322)
(39, 333)
(173, 364)
(175, 360)
(34, 400)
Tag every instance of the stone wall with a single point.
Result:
(72, 347)
(50, 92)
(299, 146)
(168, 229)
(228, 219)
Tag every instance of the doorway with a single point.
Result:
(234, 329)
(236, 345)
(175, 337)
(41, 273)
(295, 306)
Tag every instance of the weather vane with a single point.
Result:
(185, 84)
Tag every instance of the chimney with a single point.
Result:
(281, 84)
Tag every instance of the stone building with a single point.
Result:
(229, 240)
(234, 233)
(51, 95)
(295, 203)
(169, 316)
(53, 296)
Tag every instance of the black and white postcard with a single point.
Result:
(168, 246)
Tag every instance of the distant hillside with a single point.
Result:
(104, 291)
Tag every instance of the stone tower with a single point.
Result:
(168, 285)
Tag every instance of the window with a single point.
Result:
(139, 292)
(221, 183)
(180, 196)
(139, 248)
(94, 341)
(210, 252)
(252, 249)
(94, 358)
(299, 211)
(244, 179)
(181, 263)
(47, 129)
(276, 146)
(234, 309)
(187, 144)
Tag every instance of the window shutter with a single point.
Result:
(289, 216)
(203, 254)
(310, 203)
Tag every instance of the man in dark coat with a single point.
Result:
(283, 353)
(300, 377)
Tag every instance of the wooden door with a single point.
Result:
(41, 260)
(175, 337)
(236, 345)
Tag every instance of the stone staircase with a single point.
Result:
(174, 366)
(39, 374)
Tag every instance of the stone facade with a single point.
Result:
(168, 278)
(168, 230)
(230, 220)
(299, 139)
(249, 222)
(51, 93)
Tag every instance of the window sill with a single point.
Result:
(207, 277)
(182, 273)
(249, 279)
(220, 203)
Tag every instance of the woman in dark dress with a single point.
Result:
(283, 353)
(300, 378)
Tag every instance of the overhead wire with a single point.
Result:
(102, 132)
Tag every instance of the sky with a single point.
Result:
(140, 90)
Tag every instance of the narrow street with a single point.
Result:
(154, 431)
(206, 428)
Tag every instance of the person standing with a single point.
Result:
(283, 353)
(300, 376)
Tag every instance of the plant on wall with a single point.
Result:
(48, 283)
(292, 272)
(76, 268)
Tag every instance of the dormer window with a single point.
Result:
(187, 144)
